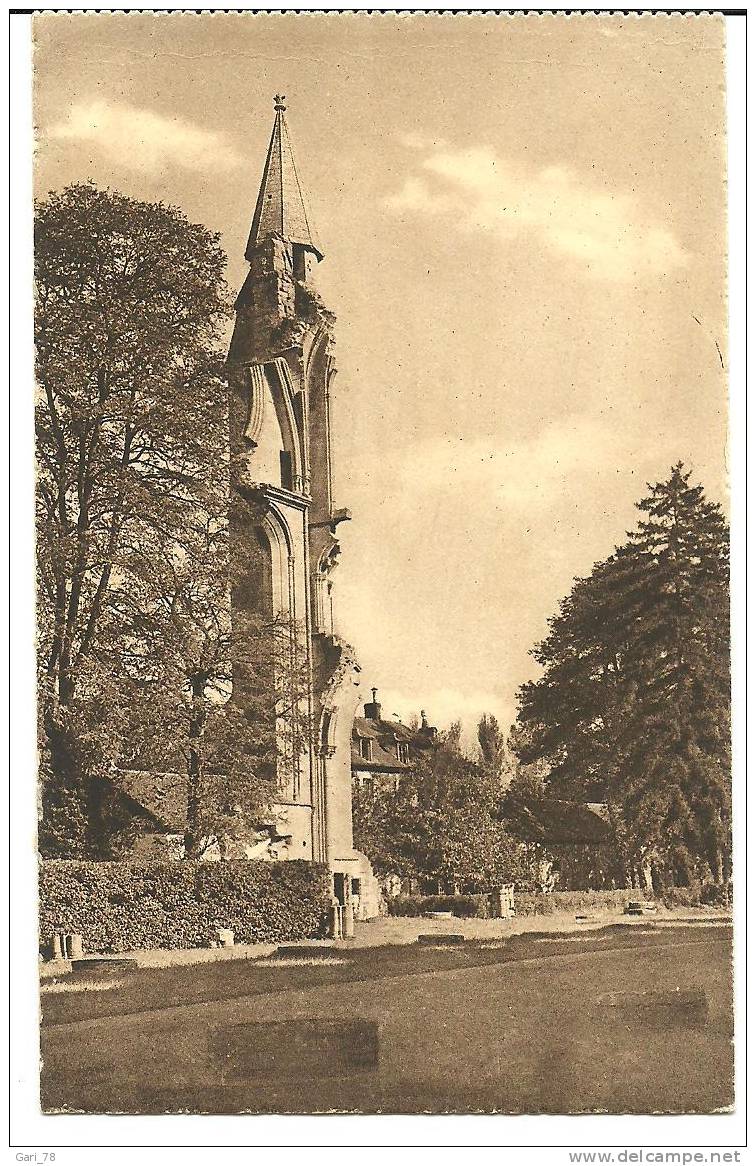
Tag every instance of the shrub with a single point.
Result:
(463, 906)
(698, 895)
(681, 896)
(716, 895)
(405, 905)
(542, 903)
(118, 906)
(530, 903)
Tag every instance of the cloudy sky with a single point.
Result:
(523, 226)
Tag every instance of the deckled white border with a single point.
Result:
(32, 1131)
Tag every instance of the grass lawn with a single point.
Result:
(622, 1019)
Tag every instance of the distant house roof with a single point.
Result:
(385, 735)
(556, 822)
(162, 797)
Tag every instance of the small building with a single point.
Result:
(384, 751)
(155, 804)
(567, 844)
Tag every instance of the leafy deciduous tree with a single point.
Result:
(206, 690)
(130, 414)
(440, 826)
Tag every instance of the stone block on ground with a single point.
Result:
(312, 951)
(442, 940)
(659, 1009)
(93, 967)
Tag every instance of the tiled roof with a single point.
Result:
(382, 730)
(382, 761)
(162, 795)
(385, 736)
(555, 822)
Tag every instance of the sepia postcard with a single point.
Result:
(382, 546)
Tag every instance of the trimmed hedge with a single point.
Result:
(529, 903)
(526, 903)
(551, 903)
(698, 895)
(463, 906)
(119, 906)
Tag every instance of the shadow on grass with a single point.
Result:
(156, 989)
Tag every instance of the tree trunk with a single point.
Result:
(648, 879)
(63, 830)
(682, 872)
(195, 769)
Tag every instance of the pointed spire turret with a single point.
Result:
(281, 206)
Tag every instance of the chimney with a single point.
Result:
(427, 730)
(372, 708)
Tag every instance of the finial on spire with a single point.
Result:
(278, 102)
(375, 694)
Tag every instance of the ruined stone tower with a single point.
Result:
(280, 369)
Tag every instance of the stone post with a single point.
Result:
(335, 919)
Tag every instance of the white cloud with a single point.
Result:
(606, 234)
(416, 195)
(141, 140)
(414, 141)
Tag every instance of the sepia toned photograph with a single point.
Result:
(382, 546)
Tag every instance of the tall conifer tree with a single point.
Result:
(633, 704)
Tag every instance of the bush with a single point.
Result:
(463, 906)
(698, 895)
(550, 903)
(716, 895)
(530, 903)
(405, 906)
(681, 896)
(118, 906)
